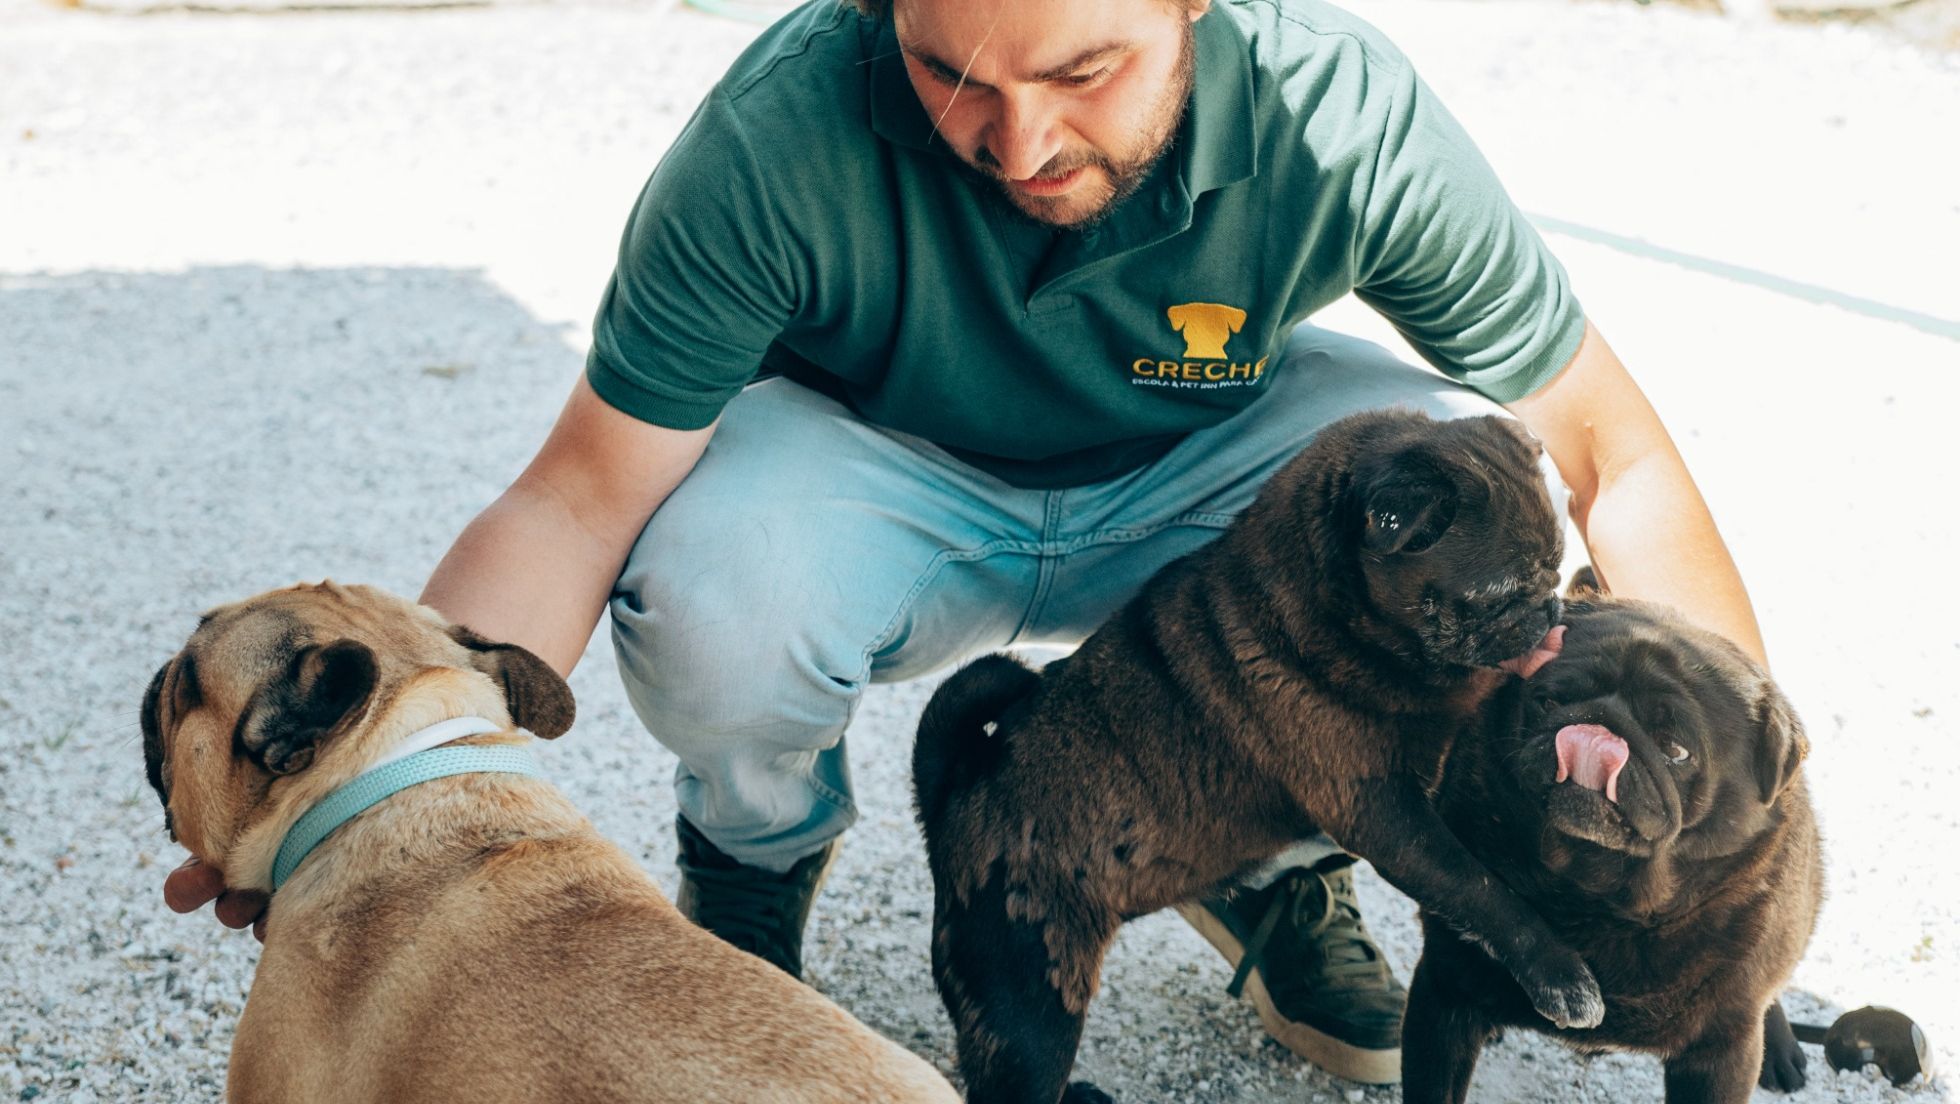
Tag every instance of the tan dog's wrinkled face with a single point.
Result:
(266, 686)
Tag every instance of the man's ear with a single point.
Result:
(539, 700)
(1781, 744)
(322, 692)
(1406, 507)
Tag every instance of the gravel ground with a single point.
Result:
(285, 296)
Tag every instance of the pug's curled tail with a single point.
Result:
(956, 747)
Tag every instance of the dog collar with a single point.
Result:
(417, 760)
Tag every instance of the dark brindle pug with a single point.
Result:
(470, 938)
(1642, 792)
(1305, 671)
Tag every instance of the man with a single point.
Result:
(1035, 273)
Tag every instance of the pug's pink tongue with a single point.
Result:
(1591, 756)
(1546, 650)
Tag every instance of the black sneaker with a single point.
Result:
(759, 911)
(1312, 970)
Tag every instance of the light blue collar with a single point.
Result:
(393, 775)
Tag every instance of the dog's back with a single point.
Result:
(553, 968)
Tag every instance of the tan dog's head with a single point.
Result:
(295, 691)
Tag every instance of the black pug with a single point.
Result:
(1643, 793)
(1304, 671)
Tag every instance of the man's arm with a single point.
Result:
(537, 565)
(1650, 534)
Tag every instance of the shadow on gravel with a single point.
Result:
(245, 424)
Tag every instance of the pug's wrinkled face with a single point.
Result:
(1647, 736)
(1459, 544)
(264, 686)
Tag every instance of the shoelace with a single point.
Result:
(1311, 901)
(750, 914)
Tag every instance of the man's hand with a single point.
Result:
(191, 885)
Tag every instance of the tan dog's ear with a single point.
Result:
(1781, 743)
(322, 692)
(538, 699)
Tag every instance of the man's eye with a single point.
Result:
(1086, 80)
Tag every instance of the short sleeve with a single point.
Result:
(702, 286)
(1452, 263)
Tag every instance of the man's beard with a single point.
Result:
(1122, 178)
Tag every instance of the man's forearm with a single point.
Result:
(536, 567)
(1651, 537)
(525, 571)
(1650, 534)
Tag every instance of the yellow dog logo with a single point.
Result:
(1206, 328)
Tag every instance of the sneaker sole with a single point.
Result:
(1342, 1059)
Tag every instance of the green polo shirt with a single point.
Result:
(807, 223)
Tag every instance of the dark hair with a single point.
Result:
(877, 9)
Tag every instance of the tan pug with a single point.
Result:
(468, 938)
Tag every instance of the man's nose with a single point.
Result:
(1024, 135)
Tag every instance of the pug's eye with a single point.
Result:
(1677, 754)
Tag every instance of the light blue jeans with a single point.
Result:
(811, 553)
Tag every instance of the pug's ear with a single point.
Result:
(322, 692)
(1407, 509)
(1781, 745)
(539, 700)
(1585, 584)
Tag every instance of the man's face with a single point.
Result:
(1065, 104)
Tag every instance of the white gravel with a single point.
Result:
(286, 296)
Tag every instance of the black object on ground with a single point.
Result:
(1869, 1035)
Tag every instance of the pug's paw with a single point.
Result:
(1563, 991)
(1082, 1092)
(1783, 1063)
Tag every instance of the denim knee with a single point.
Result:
(719, 647)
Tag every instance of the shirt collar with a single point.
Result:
(1220, 139)
(1223, 132)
